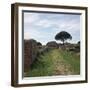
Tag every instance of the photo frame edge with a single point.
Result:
(14, 45)
(14, 51)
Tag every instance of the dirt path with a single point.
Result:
(51, 63)
(60, 66)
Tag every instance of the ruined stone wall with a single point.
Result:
(30, 53)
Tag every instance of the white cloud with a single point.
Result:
(26, 35)
(44, 23)
(44, 28)
(59, 24)
(30, 18)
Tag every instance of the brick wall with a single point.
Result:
(30, 53)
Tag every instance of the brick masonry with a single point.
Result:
(30, 53)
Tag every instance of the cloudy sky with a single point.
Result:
(44, 26)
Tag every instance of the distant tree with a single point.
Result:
(78, 42)
(39, 44)
(63, 36)
(32, 40)
(52, 44)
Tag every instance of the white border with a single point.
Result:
(33, 80)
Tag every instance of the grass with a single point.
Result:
(55, 62)
(73, 59)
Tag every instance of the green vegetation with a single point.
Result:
(73, 59)
(55, 62)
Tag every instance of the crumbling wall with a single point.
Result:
(30, 53)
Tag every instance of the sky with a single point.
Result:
(44, 26)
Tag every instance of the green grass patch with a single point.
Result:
(55, 62)
(73, 59)
(42, 67)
